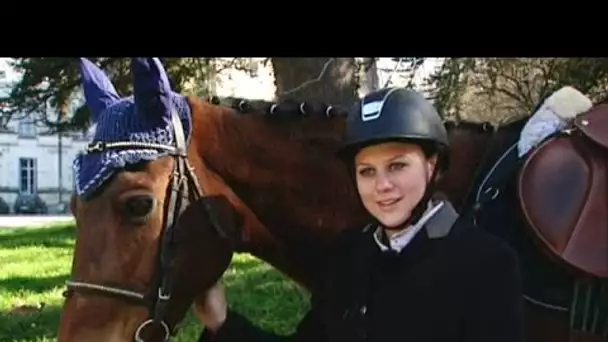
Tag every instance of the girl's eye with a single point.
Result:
(366, 172)
(397, 166)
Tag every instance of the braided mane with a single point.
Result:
(300, 109)
(287, 108)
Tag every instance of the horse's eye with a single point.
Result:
(137, 209)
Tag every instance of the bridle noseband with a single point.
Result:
(183, 189)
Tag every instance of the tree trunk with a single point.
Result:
(369, 80)
(295, 80)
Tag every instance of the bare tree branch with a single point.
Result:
(310, 81)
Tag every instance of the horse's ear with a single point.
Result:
(99, 92)
(151, 89)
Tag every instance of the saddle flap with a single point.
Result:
(594, 124)
(563, 194)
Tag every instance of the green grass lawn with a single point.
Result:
(34, 264)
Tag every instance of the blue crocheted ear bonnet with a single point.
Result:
(143, 117)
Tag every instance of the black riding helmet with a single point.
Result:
(396, 114)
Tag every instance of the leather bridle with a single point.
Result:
(183, 189)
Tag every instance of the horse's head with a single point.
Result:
(137, 199)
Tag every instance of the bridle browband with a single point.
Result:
(183, 189)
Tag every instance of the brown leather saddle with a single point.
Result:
(563, 193)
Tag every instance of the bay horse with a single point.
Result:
(175, 185)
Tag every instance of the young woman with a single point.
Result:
(418, 273)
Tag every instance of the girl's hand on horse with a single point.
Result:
(211, 308)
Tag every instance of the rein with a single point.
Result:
(183, 189)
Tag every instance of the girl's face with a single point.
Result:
(391, 180)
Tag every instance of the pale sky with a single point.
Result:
(10, 74)
(7, 76)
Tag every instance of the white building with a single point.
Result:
(29, 157)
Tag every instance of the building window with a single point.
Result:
(27, 172)
(27, 128)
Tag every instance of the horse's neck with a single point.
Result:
(473, 154)
(302, 195)
(467, 152)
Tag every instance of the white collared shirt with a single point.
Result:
(402, 238)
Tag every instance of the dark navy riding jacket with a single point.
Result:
(452, 282)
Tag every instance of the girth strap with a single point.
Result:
(589, 307)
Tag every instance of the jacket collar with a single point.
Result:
(440, 224)
(437, 221)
